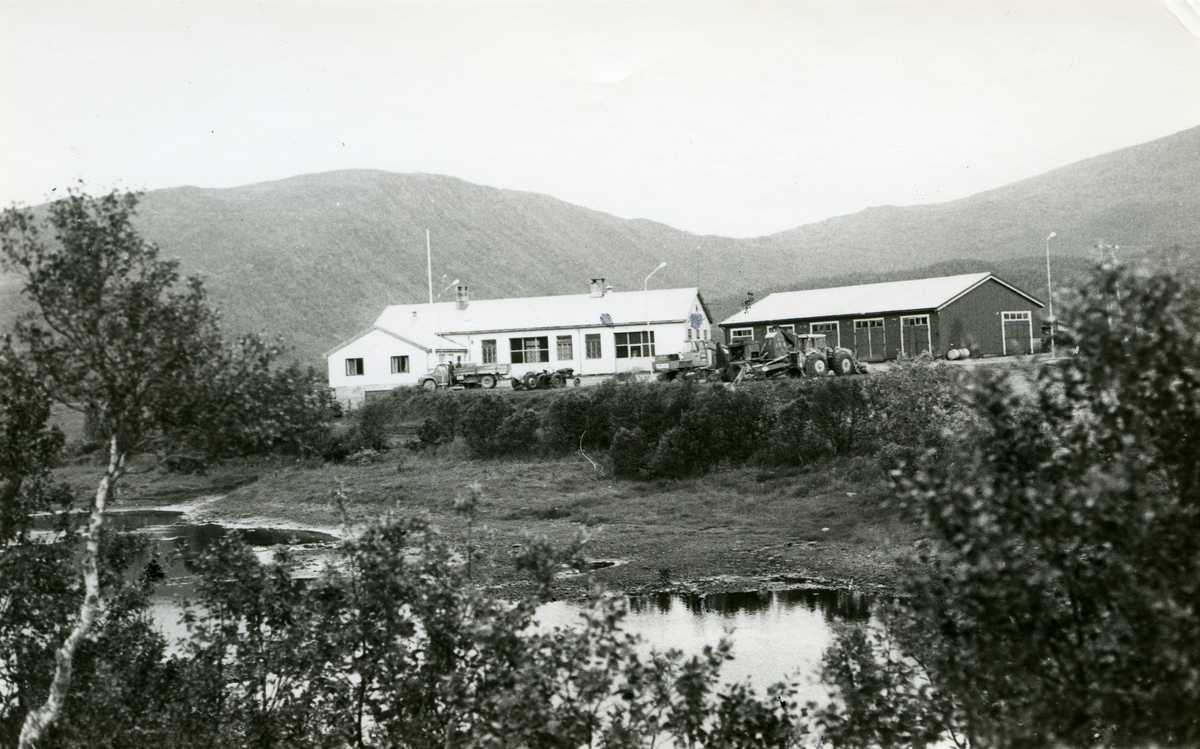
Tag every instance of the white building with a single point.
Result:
(603, 332)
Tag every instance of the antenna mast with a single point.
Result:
(429, 265)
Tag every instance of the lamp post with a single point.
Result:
(1050, 292)
(645, 297)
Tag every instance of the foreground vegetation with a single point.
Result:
(1054, 598)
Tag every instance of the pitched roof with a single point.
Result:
(867, 299)
(422, 339)
(544, 313)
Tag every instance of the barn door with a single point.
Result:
(915, 331)
(869, 339)
(1018, 333)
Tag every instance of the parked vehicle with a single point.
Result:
(465, 375)
(546, 379)
(700, 360)
(791, 355)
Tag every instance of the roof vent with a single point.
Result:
(414, 316)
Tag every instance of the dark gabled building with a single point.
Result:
(879, 321)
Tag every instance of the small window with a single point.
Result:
(399, 364)
(636, 344)
(566, 348)
(530, 350)
(1016, 316)
(916, 320)
(789, 328)
(875, 323)
(741, 333)
(592, 343)
(354, 367)
(489, 351)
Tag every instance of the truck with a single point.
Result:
(700, 360)
(464, 375)
(792, 355)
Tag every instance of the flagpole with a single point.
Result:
(429, 265)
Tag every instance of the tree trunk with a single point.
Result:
(37, 721)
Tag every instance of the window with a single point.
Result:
(489, 351)
(1015, 316)
(592, 343)
(789, 328)
(354, 367)
(530, 350)
(916, 320)
(636, 344)
(738, 333)
(833, 336)
(566, 348)
(876, 323)
(399, 364)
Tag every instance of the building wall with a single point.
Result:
(668, 339)
(974, 321)
(376, 349)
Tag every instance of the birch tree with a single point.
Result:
(114, 335)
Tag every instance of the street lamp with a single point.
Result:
(1050, 292)
(646, 298)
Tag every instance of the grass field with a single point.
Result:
(732, 530)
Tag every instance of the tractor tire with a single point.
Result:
(843, 364)
(429, 385)
(578, 382)
(557, 381)
(487, 382)
(815, 366)
(530, 381)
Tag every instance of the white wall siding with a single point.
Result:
(376, 349)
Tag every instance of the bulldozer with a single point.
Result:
(786, 354)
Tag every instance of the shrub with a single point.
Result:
(518, 433)
(628, 452)
(578, 416)
(481, 423)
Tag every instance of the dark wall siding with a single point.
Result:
(973, 321)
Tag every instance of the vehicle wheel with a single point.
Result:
(516, 384)
(487, 382)
(530, 381)
(577, 382)
(429, 385)
(815, 367)
(843, 365)
(557, 381)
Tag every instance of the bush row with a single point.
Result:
(656, 430)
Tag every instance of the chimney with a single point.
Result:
(460, 296)
(598, 288)
(414, 317)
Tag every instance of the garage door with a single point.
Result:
(915, 332)
(869, 339)
(1018, 333)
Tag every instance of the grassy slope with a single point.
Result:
(316, 257)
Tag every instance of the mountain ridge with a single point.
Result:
(315, 257)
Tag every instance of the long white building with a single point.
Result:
(603, 332)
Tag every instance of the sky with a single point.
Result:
(732, 117)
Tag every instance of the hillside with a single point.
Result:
(316, 257)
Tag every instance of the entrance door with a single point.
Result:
(915, 332)
(869, 339)
(1018, 332)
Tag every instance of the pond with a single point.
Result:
(777, 635)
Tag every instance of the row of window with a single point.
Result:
(536, 349)
(354, 367)
(831, 328)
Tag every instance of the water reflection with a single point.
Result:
(776, 635)
(840, 605)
